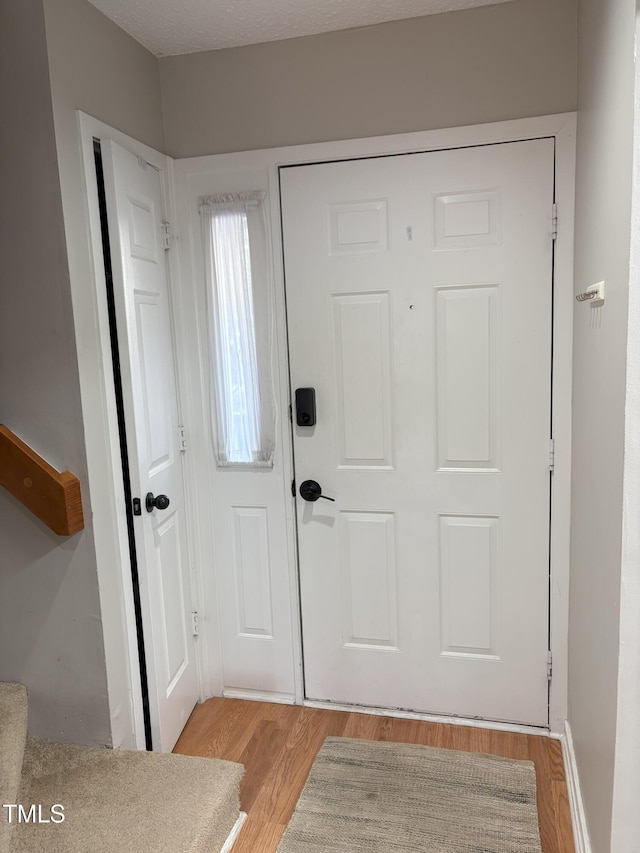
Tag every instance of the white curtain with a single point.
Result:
(240, 322)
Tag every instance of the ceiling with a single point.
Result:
(169, 27)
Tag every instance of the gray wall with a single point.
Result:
(603, 208)
(626, 815)
(50, 631)
(50, 620)
(96, 67)
(504, 61)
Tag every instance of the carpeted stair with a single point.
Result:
(13, 736)
(114, 800)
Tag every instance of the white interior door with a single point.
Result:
(134, 208)
(419, 295)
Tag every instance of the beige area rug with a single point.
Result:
(382, 797)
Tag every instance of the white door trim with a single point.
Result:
(562, 128)
(562, 373)
(97, 390)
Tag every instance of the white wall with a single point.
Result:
(50, 631)
(603, 211)
(505, 61)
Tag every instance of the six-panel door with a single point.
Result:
(419, 294)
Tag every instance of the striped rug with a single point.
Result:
(381, 797)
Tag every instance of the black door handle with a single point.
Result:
(310, 490)
(159, 502)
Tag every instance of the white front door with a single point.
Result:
(419, 295)
(134, 211)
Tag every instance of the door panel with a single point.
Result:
(134, 208)
(252, 567)
(368, 561)
(468, 377)
(362, 341)
(419, 305)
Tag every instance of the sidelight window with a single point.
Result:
(240, 333)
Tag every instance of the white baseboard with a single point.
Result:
(578, 816)
(235, 832)
(259, 696)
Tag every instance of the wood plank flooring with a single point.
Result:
(278, 743)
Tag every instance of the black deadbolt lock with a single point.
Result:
(306, 407)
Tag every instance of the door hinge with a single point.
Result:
(549, 665)
(195, 623)
(290, 413)
(552, 454)
(182, 438)
(293, 488)
(166, 234)
(554, 221)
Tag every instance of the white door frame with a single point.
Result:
(562, 128)
(97, 388)
(100, 417)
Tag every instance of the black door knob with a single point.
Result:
(160, 502)
(310, 490)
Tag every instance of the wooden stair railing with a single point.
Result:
(52, 496)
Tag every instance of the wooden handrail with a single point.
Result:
(52, 496)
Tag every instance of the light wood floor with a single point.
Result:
(278, 743)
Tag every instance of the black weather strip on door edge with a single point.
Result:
(124, 454)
